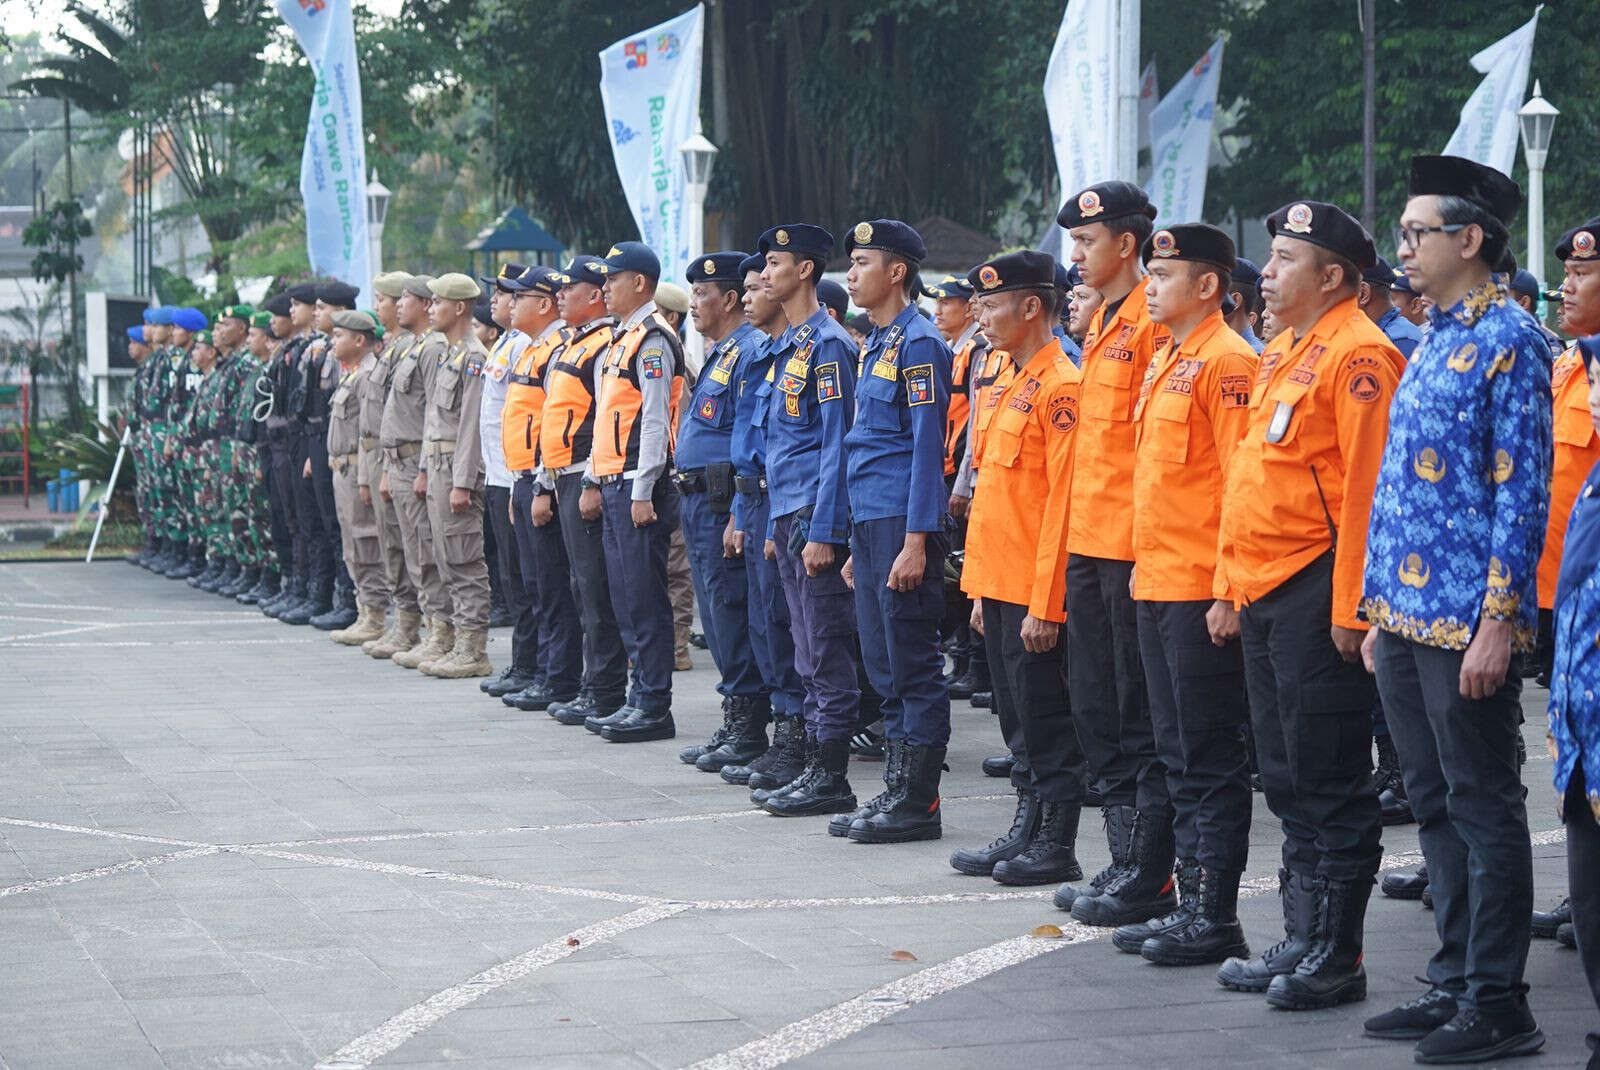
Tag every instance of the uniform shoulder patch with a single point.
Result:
(828, 388)
(1063, 412)
(1364, 384)
(1235, 391)
(652, 365)
(919, 384)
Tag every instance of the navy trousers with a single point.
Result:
(514, 586)
(900, 632)
(636, 559)
(822, 612)
(771, 640)
(721, 589)
(543, 560)
(605, 665)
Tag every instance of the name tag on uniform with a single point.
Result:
(885, 369)
(1281, 415)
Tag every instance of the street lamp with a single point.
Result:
(377, 208)
(1538, 120)
(698, 156)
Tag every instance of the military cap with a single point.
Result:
(831, 295)
(949, 286)
(717, 267)
(502, 279)
(584, 268)
(754, 262)
(1105, 202)
(1380, 274)
(278, 305)
(362, 322)
(262, 320)
(673, 298)
(1553, 296)
(1074, 277)
(1456, 176)
(1582, 242)
(1245, 273)
(160, 316)
(1326, 225)
(1199, 242)
(136, 334)
(190, 319)
(484, 314)
(420, 286)
(1402, 283)
(454, 286)
(538, 280)
(305, 293)
(337, 294)
(1025, 270)
(203, 338)
(390, 283)
(1063, 277)
(889, 235)
(237, 312)
(1525, 284)
(631, 256)
(801, 239)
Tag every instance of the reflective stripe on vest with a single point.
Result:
(616, 448)
(568, 423)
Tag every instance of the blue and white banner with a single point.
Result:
(1079, 98)
(1488, 128)
(333, 165)
(650, 87)
(1180, 142)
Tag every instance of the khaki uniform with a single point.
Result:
(391, 541)
(358, 523)
(400, 436)
(453, 458)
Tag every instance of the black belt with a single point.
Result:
(692, 481)
(750, 484)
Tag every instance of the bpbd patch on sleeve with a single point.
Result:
(654, 367)
(828, 382)
(919, 385)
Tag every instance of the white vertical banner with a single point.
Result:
(333, 164)
(1487, 131)
(650, 88)
(1149, 93)
(1180, 141)
(1080, 94)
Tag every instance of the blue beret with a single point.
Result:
(889, 235)
(755, 262)
(144, 317)
(718, 267)
(949, 286)
(189, 319)
(801, 239)
(590, 269)
(632, 256)
(160, 316)
(1104, 203)
(832, 295)
(337, 294)
(1245, 272)
(535, 279)
(1026, 270)
(136, 334)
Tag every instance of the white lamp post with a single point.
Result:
(377, 208)
(698, 156)
(1538, 119)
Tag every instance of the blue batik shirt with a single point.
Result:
(705, 432)
(1574, 709)
(1458, 515)
(1402, 332)
(812, 402)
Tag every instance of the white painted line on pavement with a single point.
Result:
(872, 900)
(370, 1047)
(17, 640)
(245, 613)
(106, 871)
(84, 830)
(122, 643)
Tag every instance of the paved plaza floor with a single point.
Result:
(225, 842)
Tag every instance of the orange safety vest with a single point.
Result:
(620, 399)
(962, 367)
(524, 405)
(1577, 451)
(567, 430)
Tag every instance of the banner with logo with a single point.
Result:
(1078, 98)
(650, 87)
(333, 164)
(1180, 141)
(1488, 128)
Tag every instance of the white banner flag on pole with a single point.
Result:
(1080, 100)
(1180, 139)
(650, 88)
(1487, 131)
(1149, 94)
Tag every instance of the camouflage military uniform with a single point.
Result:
(244, 492)
(183, 444)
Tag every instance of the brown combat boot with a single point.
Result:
(467, 659)
(368, 626)
(401, 636)
(440, 641)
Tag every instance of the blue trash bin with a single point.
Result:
(52, 493)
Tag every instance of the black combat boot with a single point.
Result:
(1131, 938)
(160, 555)
(825, 791)
(691, 754)
(894, 756)
(290, 595)
(1213, 933)
(999, 766)
(1049, 856)
(208, 574)
(1546, 923)
(512, 678)
(268, 584)
(319, 600)
(640, 726)
(1331, 971)
(1390, 787)
(342, 613)
(788, 741)
(1119, 838)
(1298, 894)
(248, 578)
(1024, 825)
(1406, 885)
(802, 765)
(911, 811)
(1143, 890)
(747, 735)
(961, 685)
(231, 570)
(576, 711)
(184, 564)
(536, 696)
(982, 700)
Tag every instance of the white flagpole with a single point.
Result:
(105, 499)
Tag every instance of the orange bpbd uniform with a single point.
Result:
(963, 366)
(523, 412)
(1192, 411)
(1577, 451)
(1116, 354)
(1308, 462)
(566, 430)
(989, 381)
(616, 447)
(1016, 532)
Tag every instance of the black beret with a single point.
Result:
(1245, 273)
(1105, 202)
(1456, 176)
(801, 239)
(305, 293)
(949, 286)
(889, 235)
(337, 294)
(1381, 274)
(279, 305)
(1200, 242)
(1074, 277)
(481, 312)
(1582, 242)
(1027, 270)
(832, 295)
(717, 267)
(1590, 349)
(1523, 282)
(754, 262)
(1326, 225)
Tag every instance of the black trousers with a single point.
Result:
(1583, 878)
(275, 459)
(1198, 710)
(518, 597)
(542, 559)
(1459, 759)
(1312, 713)
(318, 557)
(1030, 697)
(322, 485)
(605, 665)
(1109, 703)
